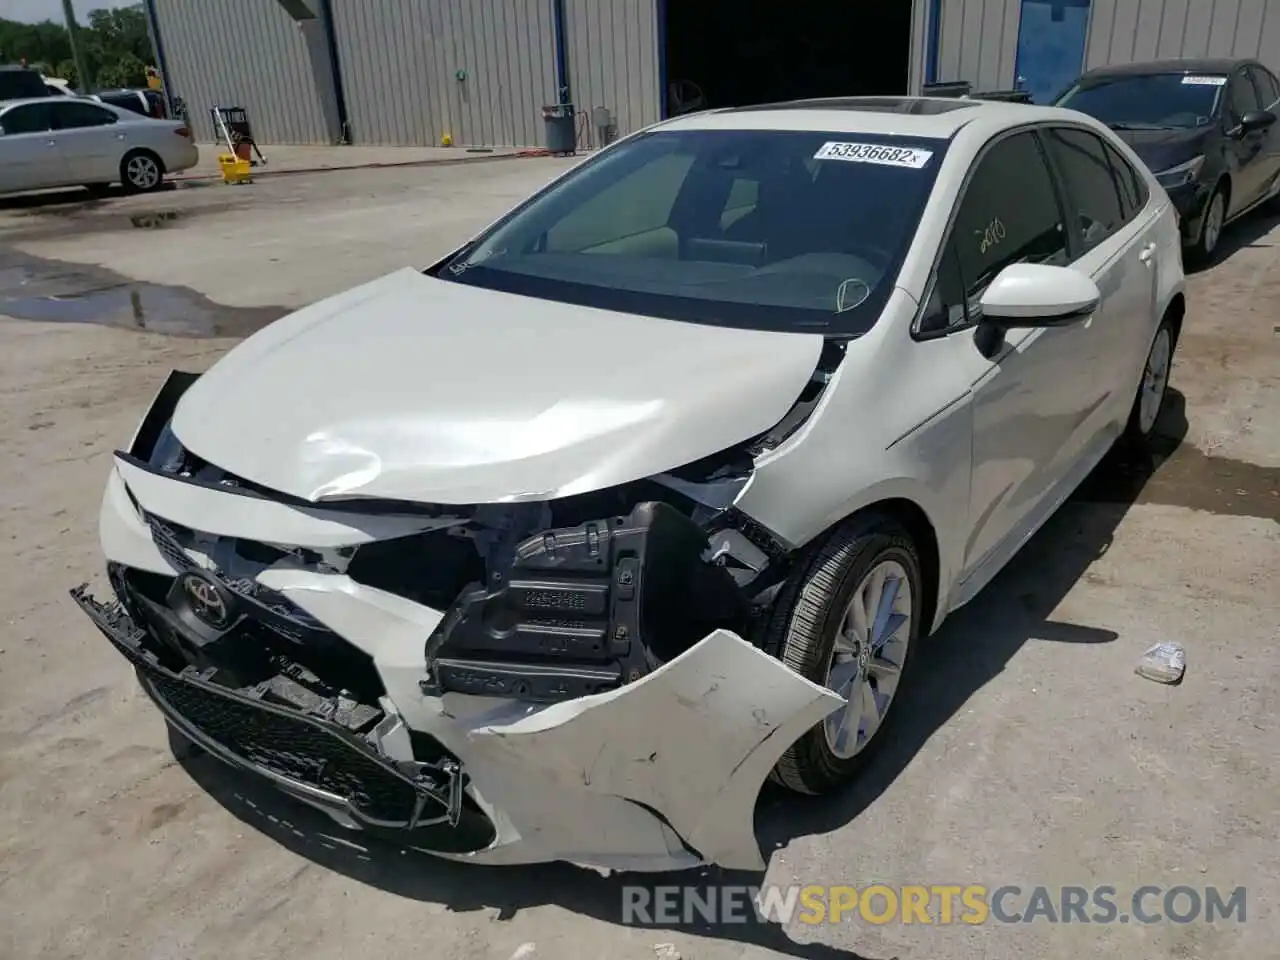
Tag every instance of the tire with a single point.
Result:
(1201, 251)
(802, 632)
(141, 171)
(1152, 387)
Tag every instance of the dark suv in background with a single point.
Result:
(18, 82)
(1206, 128)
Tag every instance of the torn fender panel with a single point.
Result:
(692, 741)
(223, 512)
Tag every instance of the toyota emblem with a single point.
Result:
(207, 600)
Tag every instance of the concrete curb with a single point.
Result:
(374, 165)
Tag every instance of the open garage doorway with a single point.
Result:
(723, 53)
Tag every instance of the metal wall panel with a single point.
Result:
(244, 53)
(1126, 31)
(613, 60)
(979, 42)
(400, 62)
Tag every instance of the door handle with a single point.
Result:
(1147, 253)
(52, 143)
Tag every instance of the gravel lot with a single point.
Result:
(1033, 754)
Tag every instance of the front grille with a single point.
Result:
(289, 620)
(290, 746)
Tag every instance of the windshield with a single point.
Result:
(1151, 101)
(778, 230)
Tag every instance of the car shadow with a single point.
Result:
(1240, 234)
(73, 198)
(973, 647)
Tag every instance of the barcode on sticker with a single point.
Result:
(1204, 81)
(874, 153)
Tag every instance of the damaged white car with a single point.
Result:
(557, 549)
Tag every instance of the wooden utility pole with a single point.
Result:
(85, 82)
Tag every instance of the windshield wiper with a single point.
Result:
(1134, 126)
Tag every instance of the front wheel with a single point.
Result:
(848, 620)
(1215, 216)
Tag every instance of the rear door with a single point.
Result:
(1246, 152)
(1115, 243)
(91, 139)
(29, 155)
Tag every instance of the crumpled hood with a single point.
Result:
(419, 389)
(1162, 149)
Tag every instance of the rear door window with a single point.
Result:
(75, 114)
(1133, 190)
(1093, 193)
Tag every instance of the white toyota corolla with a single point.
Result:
(557, 549)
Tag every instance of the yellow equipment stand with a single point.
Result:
(235, 170)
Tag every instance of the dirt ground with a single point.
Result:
(1032, 754)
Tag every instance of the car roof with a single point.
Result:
(1207, 65)
(937, 118)
(19, 101)
(22, 101)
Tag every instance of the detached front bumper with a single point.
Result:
(333, 690)
(662, 774)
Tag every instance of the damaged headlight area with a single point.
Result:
(543, 601)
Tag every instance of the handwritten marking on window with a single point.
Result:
(992, 234)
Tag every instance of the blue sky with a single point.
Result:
(33, 11)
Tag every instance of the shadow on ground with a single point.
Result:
(1240, 235)
(73, 198)
(966, 654)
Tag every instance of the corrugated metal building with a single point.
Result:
(408, 72)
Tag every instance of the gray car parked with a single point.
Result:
(51, 142)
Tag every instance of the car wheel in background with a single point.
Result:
(1211, 223)
(141, 171)
(849, 620)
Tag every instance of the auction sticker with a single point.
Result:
(1194, 81)
(874, 153)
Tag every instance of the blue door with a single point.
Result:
(1051, 40)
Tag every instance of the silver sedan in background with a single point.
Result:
(49, 142)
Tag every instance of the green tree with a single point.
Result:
(126, 71)
(115, 44)
(66, 70)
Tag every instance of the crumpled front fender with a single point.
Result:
(692, 742)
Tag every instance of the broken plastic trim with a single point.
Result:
(585, 609)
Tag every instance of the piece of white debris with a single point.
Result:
(666, 951)
(1163, 663)
(523, 952)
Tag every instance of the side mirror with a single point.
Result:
(1256, 120)
(1036, 295)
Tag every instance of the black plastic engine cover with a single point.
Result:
(584, 609)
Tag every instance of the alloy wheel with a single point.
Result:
(1213, 218)
(1155, 379)
(143, 172)
(868, 656)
